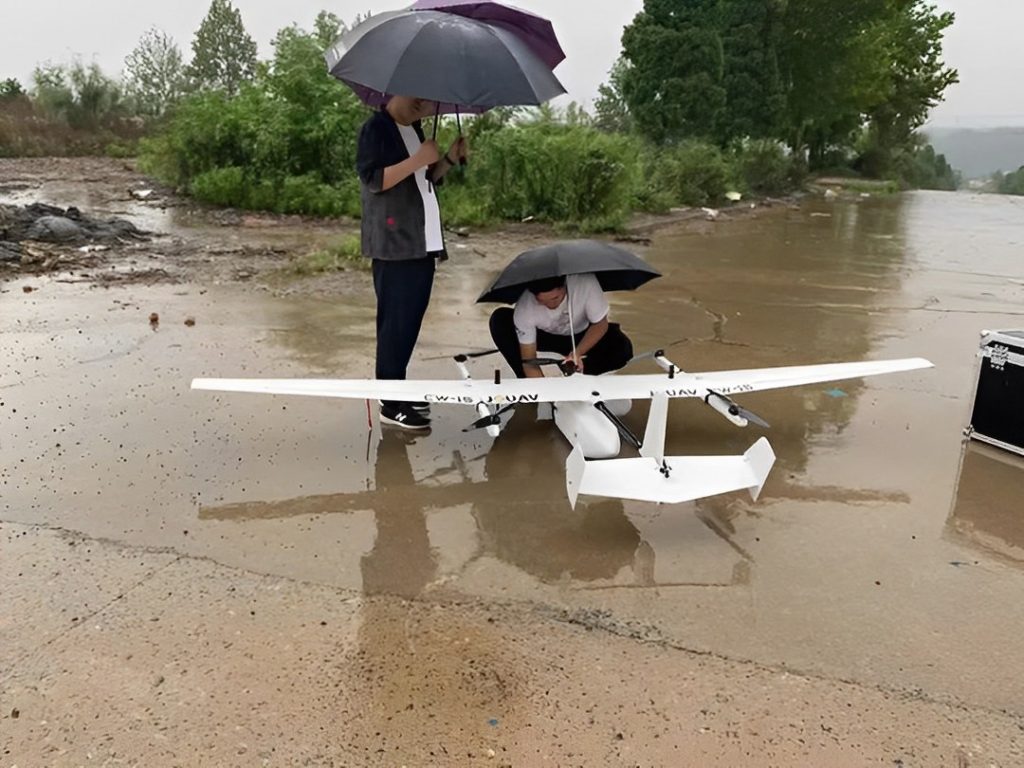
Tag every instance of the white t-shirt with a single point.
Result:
(589, 305)
(431, 211)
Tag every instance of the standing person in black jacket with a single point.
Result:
(401, 231)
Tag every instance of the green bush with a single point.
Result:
(222, 186)
(692, 173)
(119, 149)
(463, 205)
(764, 167)
(307, 194)
(234, 187)
(921, 168)
(558, 173)
(1011, 183)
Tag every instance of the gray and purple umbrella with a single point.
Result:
(463, 64)
(536, 31)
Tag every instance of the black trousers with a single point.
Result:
(612, 352)
(403, 293)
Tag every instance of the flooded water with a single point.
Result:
(880, 550)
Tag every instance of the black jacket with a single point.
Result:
(393, 220)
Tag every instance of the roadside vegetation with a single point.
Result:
(342, 255)
(1009, 183)
(757, 97)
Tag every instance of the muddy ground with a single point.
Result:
(196, 579)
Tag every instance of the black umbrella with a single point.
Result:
(615, 268)
(463, 64)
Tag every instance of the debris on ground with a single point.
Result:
(68, 226)
(42, 238)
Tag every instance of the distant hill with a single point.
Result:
(979, 152)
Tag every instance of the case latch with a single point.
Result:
(999, 356)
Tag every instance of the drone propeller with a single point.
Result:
(735, 409)
(463, 356)
(650, 355)
(492, 420)
(567, 367)
(752, 417)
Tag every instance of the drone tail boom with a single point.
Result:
(673, 479)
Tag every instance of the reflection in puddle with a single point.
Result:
(518, 515)
(988, 506)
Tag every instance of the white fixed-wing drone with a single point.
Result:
(586, 409)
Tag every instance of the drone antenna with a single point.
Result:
(672, 371)
(497, 376)
(572, 331)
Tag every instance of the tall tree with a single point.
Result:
(328, 27)
(322, 114)
(82, 95)
(154, 73)
(833, 66)
(916, 76)
(673, 85)
(97, 97)
(611, 112)
(755, 99)
(223, 53)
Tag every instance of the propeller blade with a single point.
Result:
(735, 409)
(464, 355)
(567, 367)
(483, 422)
(651, 354)
(493, 420)
(542, 361)
(752, 417)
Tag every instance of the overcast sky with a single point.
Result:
(984, 44)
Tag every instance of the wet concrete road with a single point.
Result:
(870, 558)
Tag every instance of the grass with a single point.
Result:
(344, 255)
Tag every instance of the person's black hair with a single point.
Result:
(546, 284)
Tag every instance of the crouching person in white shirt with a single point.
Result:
(541, 320)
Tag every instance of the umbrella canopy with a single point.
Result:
(616, 269)
(463, 64)
(536, 31)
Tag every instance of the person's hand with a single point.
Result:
(459, 151)
(576, 360)
(428, 153)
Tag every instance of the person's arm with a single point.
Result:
(427, 155)
(440, 169)
(529, 352)
(458, 152)
(594, 334)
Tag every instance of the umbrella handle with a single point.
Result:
(437, 114)
(458, 124)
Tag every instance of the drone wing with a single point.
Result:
(454, 391)
(634, 387)
(564, 388)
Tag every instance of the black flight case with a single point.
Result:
(998, 417)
